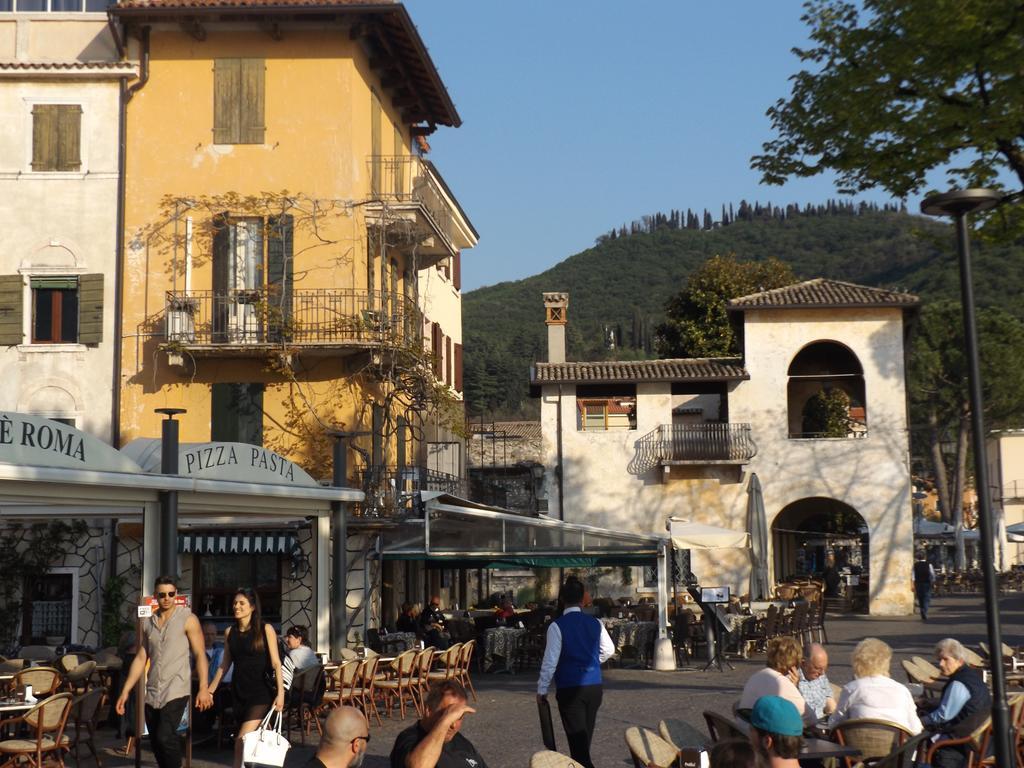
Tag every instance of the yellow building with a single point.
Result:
(277, 213)
(276, 216)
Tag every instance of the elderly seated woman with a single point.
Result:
(872, 693)
(964, 705)
(779, 678)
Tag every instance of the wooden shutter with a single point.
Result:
(12, 293)
(251, 103)
(69, 131)
(45, 153)
(458, 367)
(280, 274)
(90, 309)
(457, 271)
(399, 162)
(447, 360)
(227, 79)
(435, 348)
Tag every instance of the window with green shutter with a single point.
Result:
(238, 101)
(54, 310)
(56, 137)
(11, 309)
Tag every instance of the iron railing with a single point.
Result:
(412, 180)
(1013, 490)
(390, 491)
(314, 317)
(693, 444)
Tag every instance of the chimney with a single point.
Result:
(556, 306)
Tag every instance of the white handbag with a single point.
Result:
(265, 745)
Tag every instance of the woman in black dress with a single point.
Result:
(251, 645)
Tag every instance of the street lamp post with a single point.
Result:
(959, 204)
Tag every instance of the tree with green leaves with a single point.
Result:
(940, 408)
(898, 88)
(827, 413)
(697, 321)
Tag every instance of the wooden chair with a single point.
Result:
(933, 672)
(903, 756)
(973, 659)
(44, 680)
(548, 759)
(874, 738)
(11, 666)
(339, 689)
(649, 750)
(463, 673)
(721, 727)
(347, 654)
(449, 662)
(681, 735)
(84, 713)
(364, 688)
(45, 723)
(421, 675)
(305, 699)
(976, 744)
(400, 686)
(79, 677)
(1016, 702)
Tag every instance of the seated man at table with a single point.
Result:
(964, 705)
(779, 678)
(432, 625)
(814, 684)
(777, 728)
(434, 741)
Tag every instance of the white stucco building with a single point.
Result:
(60, 82)
(1005, 455)
(628, 444)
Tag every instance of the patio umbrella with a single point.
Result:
(687, 535)
(757, 524)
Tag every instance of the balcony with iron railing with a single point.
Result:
(410, 189)
(693, 444)
(392, 492)
(240, 322)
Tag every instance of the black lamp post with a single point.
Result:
(959, 204)
(169, 499)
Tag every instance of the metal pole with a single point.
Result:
(339, 552)
(168, 539)
(1000, 714)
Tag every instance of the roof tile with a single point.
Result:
(822, 292)
(696, 369)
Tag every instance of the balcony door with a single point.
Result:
(252, 279)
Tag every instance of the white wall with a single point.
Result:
(871, 474)
(60, 223)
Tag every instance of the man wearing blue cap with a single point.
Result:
(777, 728)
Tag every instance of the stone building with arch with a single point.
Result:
(815, 405)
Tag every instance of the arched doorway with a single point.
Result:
(806, 531)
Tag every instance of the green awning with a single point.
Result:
(507, 563)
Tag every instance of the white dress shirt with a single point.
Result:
(553, 650)
(878, 697)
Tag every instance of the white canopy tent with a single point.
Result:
(689, 535)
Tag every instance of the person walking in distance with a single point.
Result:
(577, 646)
(924, 576)
(251, 645)
(167, 638)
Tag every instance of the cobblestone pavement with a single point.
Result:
(505, 728)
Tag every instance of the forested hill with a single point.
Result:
(618, 288)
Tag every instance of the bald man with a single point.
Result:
(813, 683)
(343, 744)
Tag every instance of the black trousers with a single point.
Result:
(163, 724)
(578, 708)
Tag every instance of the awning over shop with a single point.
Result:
(462, 534)
(687, 535)
(238, 542)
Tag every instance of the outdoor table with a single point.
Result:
(639, 634)
(820, 749)
(396, 642)
(504, 642)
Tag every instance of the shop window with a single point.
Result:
(56, 137)
(54, 6)
(237, 413)
(48, 610)
(218, 577)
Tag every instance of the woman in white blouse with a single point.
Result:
(873, 693)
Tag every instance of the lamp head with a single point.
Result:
(960, 201)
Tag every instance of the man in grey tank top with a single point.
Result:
(167, 637)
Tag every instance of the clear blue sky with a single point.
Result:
(580, 116)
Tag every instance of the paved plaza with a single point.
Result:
(505, 727)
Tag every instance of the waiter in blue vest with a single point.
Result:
(577, 645)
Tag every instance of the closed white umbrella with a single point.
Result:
(757, 524)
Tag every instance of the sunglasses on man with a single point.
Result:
(165, 595)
